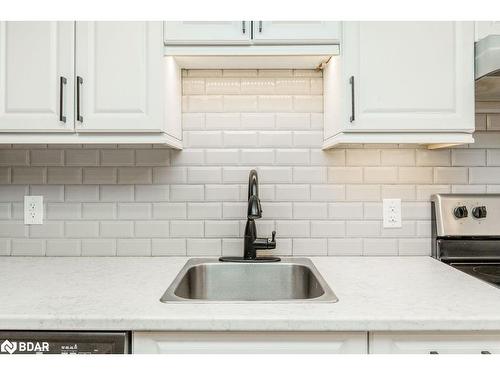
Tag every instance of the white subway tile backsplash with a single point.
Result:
(46, 157)
(380, 247)
(117, 157)
(363, 228)
(293, 228)
(310, 210)
(316, 175)
(275, 139)
(468, 157)
(62, 247)
(81, 193)
(191, 228)
(100, 175)
(116, 193)
(64, 175)
(152, 193)
(320, 228)
(450, 175)
(257, 157)
(345, 246)
(148, 200)
(362, 157)
(258, 86)
(98, 211)
(398, 157)
(292, 156)
(156, 157)
(169, 210)
(276, 103)
(204, 247)
(308, 103)
(134, 211)
(327, 192)
(222, 193)
(98, 247)
(187, 157)
(133, 247)
(258, 120)
(14, 157)
(292, 192)
(204, 210)
(293, 121)
(223, 228)
(172, 175)
(217, 121)
(310, 247)
(433, 157)
(240, 103)
(415, 175)
(25, 247)
(203, 103)
(168, 247)
(203, 139)
(187, 193)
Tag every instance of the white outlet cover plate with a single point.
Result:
(33, 209)
(392, 213)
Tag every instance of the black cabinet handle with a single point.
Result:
(485, 352)
(62, 82)
(260, 26)
(351, 82)
(79, 81)
(433, 352)
(244, 26)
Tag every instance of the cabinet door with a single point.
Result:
(250, 342)
(119, 69)
(36, 76)
(408, 76)
(207, 32)
(485, 28)
(434, 343)
(296, 32)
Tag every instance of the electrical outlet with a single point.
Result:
(392, 213)
(33, 209)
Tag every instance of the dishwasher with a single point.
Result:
(64, 342)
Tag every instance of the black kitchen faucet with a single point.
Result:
(252, 243)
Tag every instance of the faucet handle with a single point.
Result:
(273, 236)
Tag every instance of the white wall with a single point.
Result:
(130, 200)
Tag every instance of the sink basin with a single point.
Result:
(209, 280)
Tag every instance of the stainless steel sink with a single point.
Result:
(209, 280)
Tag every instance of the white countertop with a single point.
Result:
(375, 293)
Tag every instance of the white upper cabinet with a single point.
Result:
(36, 76)
(402, 77)
(485, 28)
(251, 32)
(208, 32)
(119, 77)
(296, 32)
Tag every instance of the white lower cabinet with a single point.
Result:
(434, 343)
(250, 342)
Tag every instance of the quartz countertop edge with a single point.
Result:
(122, 293)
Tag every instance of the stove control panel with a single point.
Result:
(466, 214)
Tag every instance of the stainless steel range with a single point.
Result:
(466, 233)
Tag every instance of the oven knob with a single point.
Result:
(460, 212)
(479, 212)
